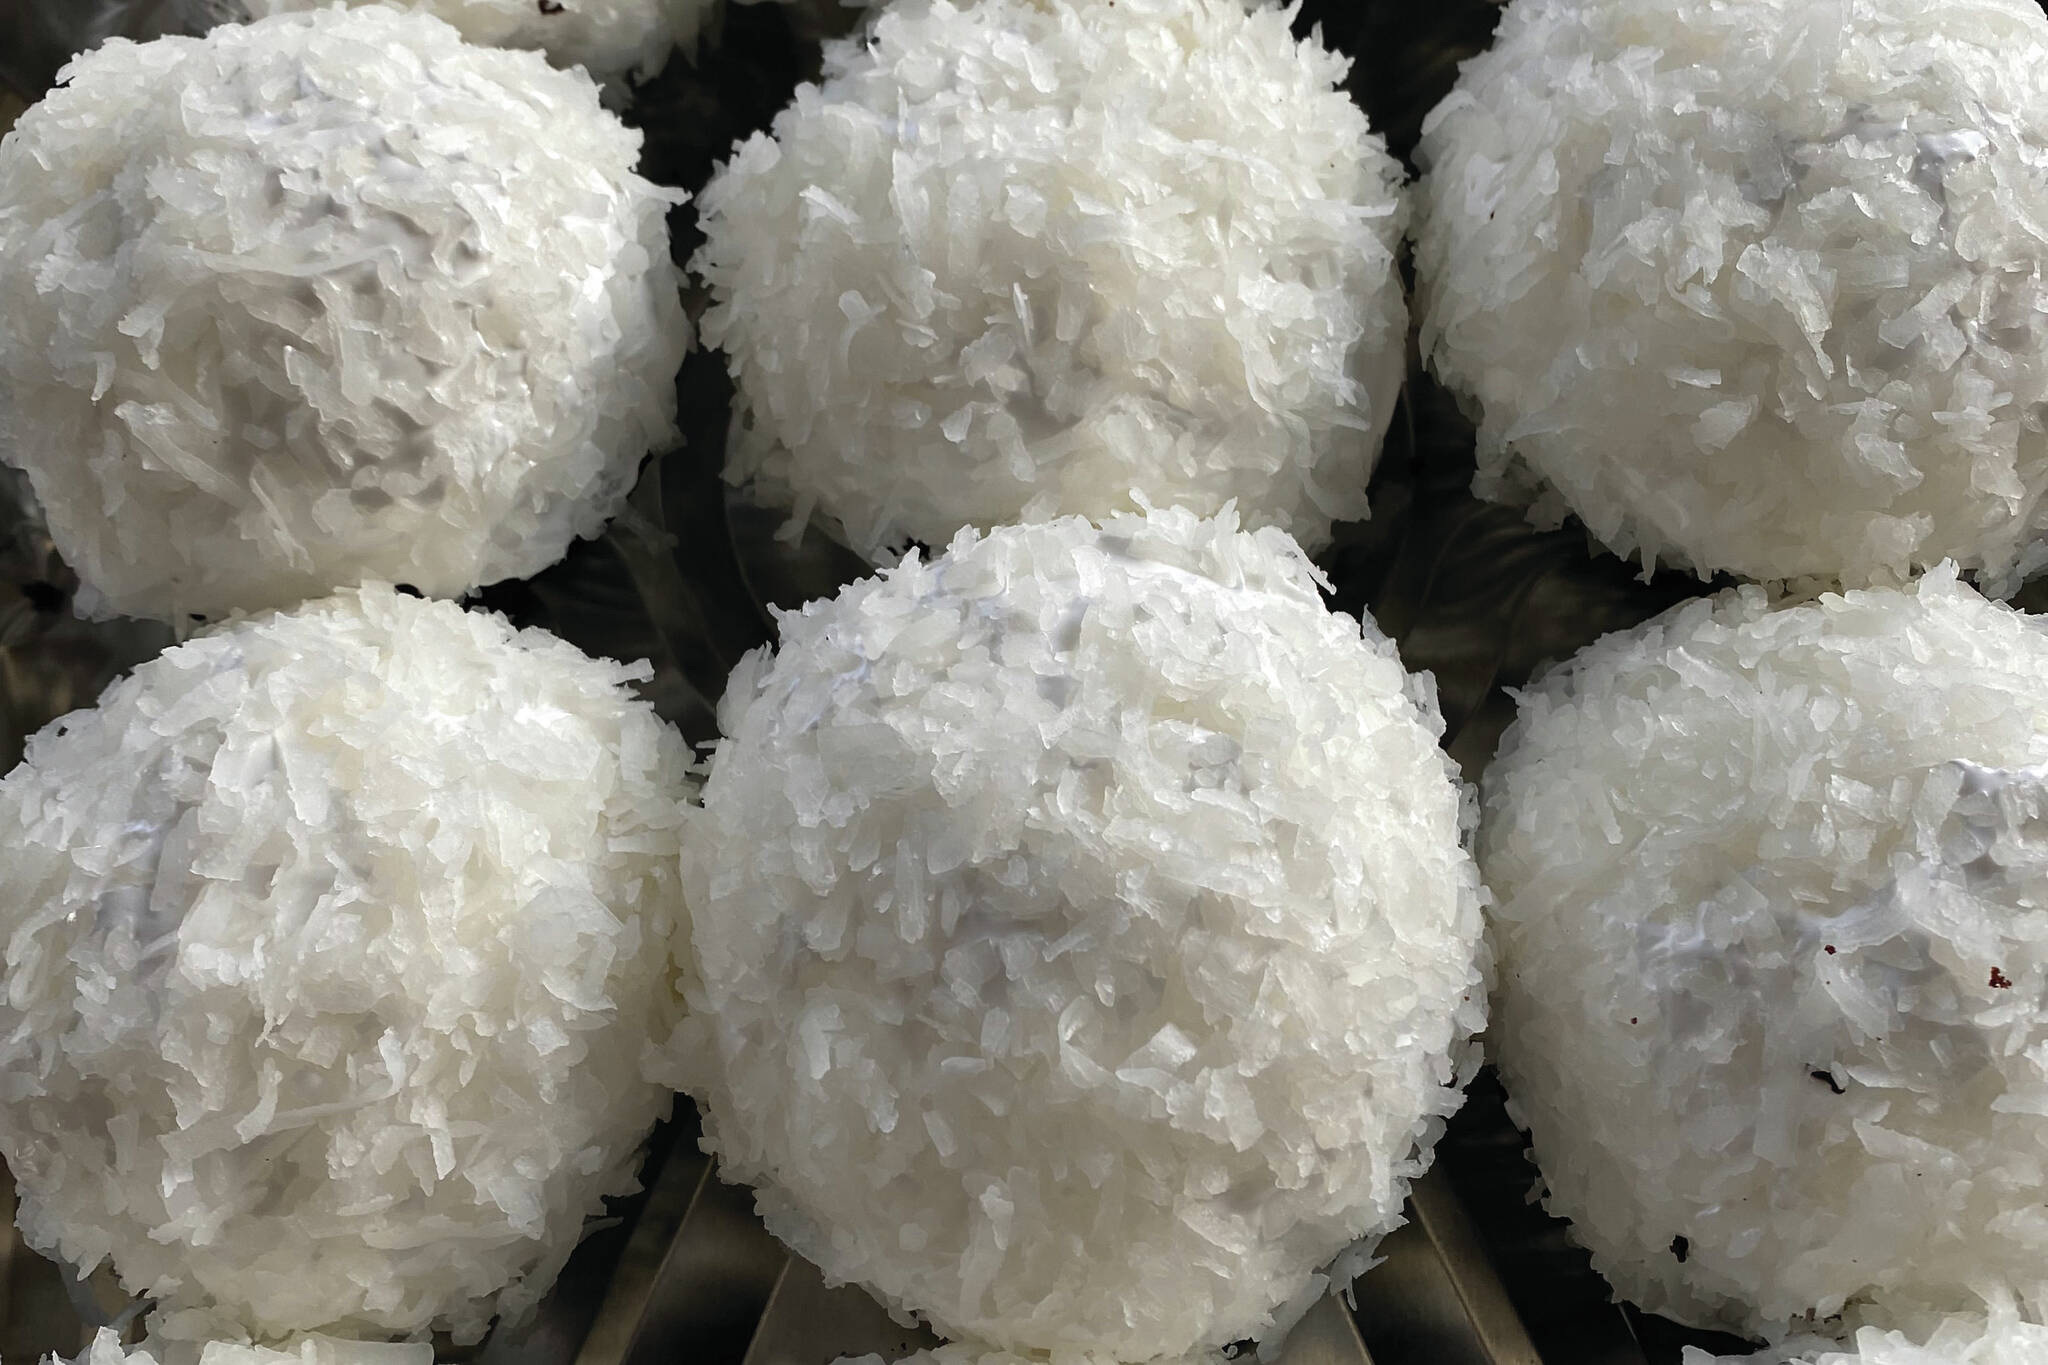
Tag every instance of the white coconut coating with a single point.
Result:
(1773, 938)
(323, 299)
(106, 1349)
(614, 40)
(334, 939)
(1021, 258)
(1753, 285)
(1086, 952)
(1958, 1339)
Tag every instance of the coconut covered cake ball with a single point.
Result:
(1773, 939)
(106, 1349)
(1753, 285)
(1960, 1339)
(309, 302)
(1020, 258)
(616, 41)
(334, 939)
(1085, 949)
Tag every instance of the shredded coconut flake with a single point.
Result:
(1086, 952)
(106, 1349)
(1753, 285)
(616, 41)
(333, 941)
(308, 302)
(1021, 258)
(1773, 935)
(1955, 1339)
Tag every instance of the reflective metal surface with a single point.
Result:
(1436, 1297)
(687, 579)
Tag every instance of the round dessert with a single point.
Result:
(1960, 1339)
(1753, 285)
(1085, 948)
(617, 41)
(106, 1349)
(334, 939)
(1773, 942)
(306, 303)
(1031, 257)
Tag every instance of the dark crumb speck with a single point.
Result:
(1681, 1248)
(1827, 1078)
(1631, 1018)
(1828, 948)
(550, 6)
(2000, 981)
(43, 596)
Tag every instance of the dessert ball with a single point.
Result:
(308, 302)
(1085, 951)
(106, 1349)
(616, 41)
(1753, 285)
(334, 939)
(1020, 258)
(1960, 1339)
(1773, 942)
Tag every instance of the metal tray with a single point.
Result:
(1478, 1276)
